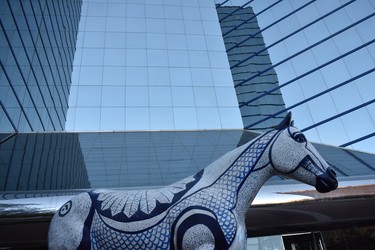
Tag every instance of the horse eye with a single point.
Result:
(300, 138)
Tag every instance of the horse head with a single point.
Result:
(292, 156)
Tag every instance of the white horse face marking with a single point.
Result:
(294, 157)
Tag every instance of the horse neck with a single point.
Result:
(249, 171)
(250, 188)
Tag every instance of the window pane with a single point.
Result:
(116, 24)
(199, 59)
(230, 118)
(112, 119)
(173, 12)
(136, 57)
(178, 58)
(116, 9)
(154, 11)
(136, 76)
(115, 40)
(176, 41)
(209, 14)
(161, 118)
(156, 41)
(87, 119)
(193, 27)
(114, 57)
(96, 9)
(196, 42)
(160, 96)
(205, 96)
(215, 43)
(89, 96)
(137, 119)
(114, 76)
(180, 77)
(136, 96)
(154, 25)
(183, 96)
(95, 24)
(135, 25)
(90, 75)
(158, 76)
(136, 40)
(113, 96)
(135, 10)
(191, 13)
(208, 118)
(92, 57)
(94, 40)
(175, 26)
(201, 76)
(226, 97)
(222, 77)
(185, 118)
(157, 58)
(211, 28)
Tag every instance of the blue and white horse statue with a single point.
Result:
(204, 211)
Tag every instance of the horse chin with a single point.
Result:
(326, 182)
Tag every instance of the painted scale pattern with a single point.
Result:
(103, 237)
(231, 180)
(220, 197)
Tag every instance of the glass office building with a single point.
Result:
(151, 66)
(248, 57)
(323, 55)
(163, 65)
(37, 43)
(141, 93)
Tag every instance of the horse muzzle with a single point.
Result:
(327, 181)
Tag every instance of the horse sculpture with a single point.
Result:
(204, 211)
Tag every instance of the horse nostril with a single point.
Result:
(331, 172)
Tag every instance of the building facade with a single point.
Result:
(155, 65)
(323, 56)
(37, 161)
(248, 57)
(147, 92)
(38, 40)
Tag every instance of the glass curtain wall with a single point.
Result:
(37, 44)
(324, 56)
(247, 58)
(151, 66)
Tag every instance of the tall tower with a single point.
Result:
(38, 40)
(248, 56)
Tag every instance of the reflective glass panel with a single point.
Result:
(141, 55)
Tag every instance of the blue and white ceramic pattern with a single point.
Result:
(204, 211)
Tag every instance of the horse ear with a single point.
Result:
(286, 122)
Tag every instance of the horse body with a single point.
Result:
(204, 211)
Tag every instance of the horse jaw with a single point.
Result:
(324, 176)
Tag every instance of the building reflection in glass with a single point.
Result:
(69, 161)
(42, 161)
